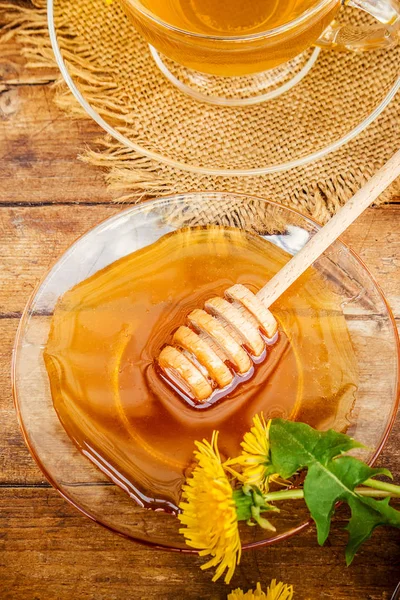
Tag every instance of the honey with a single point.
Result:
(108, 330)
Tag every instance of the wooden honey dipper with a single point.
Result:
(224, 340)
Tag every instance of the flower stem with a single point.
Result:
(393, 490)
(297, 494)
(372, 493)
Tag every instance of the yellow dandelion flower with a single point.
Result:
(239, 594)
(276, 591)
(255, 457)
(209, 512)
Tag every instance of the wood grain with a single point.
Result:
(38, 151)
(13, 67)
(33, 238)
(48, 551)
(16, 464)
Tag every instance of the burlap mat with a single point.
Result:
(94, 45)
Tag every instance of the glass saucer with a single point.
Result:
(118, 83)
(369, 320)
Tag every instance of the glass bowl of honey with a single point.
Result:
(108, 432)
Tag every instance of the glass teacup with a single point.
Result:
(242, 69)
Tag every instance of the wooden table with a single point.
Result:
(47, 549)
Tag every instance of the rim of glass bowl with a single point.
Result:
(191, 168)
(138, 208)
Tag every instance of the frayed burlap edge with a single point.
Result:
(134, 175)
(126, 171)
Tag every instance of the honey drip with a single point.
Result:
(107, 331)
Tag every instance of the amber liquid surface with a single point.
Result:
(228, 17)
(108, 330)
(213, 22)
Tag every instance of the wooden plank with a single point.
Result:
(376, 238)
(39, 146)
(14, 70)
(32, 239)
(50, 552)
(13, 65)
(16, 464)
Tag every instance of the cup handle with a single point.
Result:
(344, 37)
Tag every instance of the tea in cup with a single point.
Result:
(228, 44)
